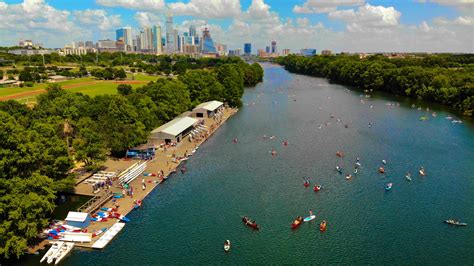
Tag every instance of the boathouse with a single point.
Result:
(173, 131)
(78, 219)
(207, 109)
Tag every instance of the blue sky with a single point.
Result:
(339, 25)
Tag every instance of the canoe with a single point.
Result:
(246, 220)
(297, 222)
(227, 246)
(309, 218)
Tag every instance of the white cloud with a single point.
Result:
(460, 21)
(450, 2)
(324, 6)
(207, 8)
(153, 5)
(3, 5)
(98, 18)
(368, 18)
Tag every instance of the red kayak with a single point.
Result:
(246, 220)
(317, 188)
(297, 222)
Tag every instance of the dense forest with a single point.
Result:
(446, 79)
(40, 145)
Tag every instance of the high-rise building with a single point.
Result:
(267, 49)
(326, 52)
(89, 44)
(285, 51)
(181, 43)
(125, 34)
(170, 38)
(308, 52)
(207, 43)
(106, 44)
(222, 49)
(238, 52)
(274, 47)
(248, 48)
(157, 45)
(192, 30)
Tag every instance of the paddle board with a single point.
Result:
(309, 218)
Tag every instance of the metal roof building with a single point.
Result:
(207, 109)
(175, 130)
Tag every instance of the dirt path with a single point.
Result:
(35, 92)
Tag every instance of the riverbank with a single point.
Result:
(163, 161)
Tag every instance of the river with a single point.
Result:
(187, 219)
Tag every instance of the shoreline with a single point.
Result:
(163, 160)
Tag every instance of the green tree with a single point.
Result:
(124, 89)
(88, 144)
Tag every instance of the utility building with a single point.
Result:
(208, 109)
(173, 131)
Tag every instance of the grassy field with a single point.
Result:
(88, 86)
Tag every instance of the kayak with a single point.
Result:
(227, 246)
(297, 222)
(317, 188)
(349, 176)
(309, 218)
(388, 186)
(98, 232)
(381, 170)
(422, 172)
(408, 177)
(306, 184)
(322, 226)
(454, 222)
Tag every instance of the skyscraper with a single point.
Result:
(157, 45)
(248, 48)
(170, 38)
(274, 47)
(192, 30)
(267, 49)
(208, 46)
(125, 34)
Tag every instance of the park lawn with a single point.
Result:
(40, 86)
(100, 88)
(143, 77)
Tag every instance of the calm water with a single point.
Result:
(187, 219)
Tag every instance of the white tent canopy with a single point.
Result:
(76, 216)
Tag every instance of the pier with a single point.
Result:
(164, 160)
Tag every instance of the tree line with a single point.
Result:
(40, 144)
(446, 79)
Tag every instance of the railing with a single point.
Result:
(95, 203)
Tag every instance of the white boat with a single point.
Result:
(227, 245)
(66, 248)
(56, 252)
(108, 235)
(52, 250)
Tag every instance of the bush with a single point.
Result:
(29, 84)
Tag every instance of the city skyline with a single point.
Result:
(339, 25)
